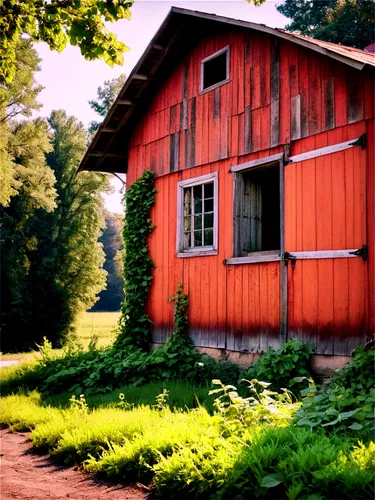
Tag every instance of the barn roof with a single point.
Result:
(177, 34)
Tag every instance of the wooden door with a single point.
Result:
(325, 244)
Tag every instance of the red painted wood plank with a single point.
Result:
(284, 94)
(240, 76)
(340, 101)
(293, 70)
(290, 179)
(309, 205)
(315, 95)
(324, 337)
(255, 87)
(264, 320)
(265, 72)
(273, 269)
(255, 129)
(238, 302)
(204, 100)
(368, 82)
(341, 305)
(265, 127)
(338, 201)
(370, 164)
(254, 307)
(241, 133)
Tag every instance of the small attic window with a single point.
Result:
(215, 70)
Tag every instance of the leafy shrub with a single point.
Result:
(209, 369)
(280, 367)
(347, 403)
(268, 462)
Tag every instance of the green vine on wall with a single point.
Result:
(134, 323)
(181, 323)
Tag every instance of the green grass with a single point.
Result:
(98, 324)
(191, 453)
(182, 396)
(90, 324)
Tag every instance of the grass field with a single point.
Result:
(100, 325)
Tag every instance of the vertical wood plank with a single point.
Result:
(295, 104)
(355, 98)
(328, 104)
(247, 131)
(315, 104)
(275, 92)
(284, 94)
(184, 103)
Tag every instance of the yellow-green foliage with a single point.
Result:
(23, 413)
(190, 453)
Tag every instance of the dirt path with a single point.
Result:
(27, 476)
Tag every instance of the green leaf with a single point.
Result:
(355, 426)
(271, 481)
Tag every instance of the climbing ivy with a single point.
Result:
(181, 324)
(134, 323)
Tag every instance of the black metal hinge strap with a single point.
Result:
(288, 256)
(361, 252)
(361, 141)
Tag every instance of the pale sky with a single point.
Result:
(70, 81)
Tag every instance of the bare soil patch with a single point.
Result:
(28, 476)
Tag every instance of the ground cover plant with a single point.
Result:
(250, 447)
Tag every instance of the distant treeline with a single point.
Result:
(111, 298)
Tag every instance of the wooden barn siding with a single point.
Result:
(326, 210)
(279, 93)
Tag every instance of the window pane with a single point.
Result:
(197, 238)
(198, 222)
(208, 237)
(187, 208)
(197, 206)
(209, 205)
(187, 240)
(187, 223)
(215, 70)
(208, 220)
(187, 195)
(209, 190)
(197, 192)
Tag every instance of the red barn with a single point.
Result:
(262, 142)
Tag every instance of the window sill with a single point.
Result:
(255, 257)
(197, 253)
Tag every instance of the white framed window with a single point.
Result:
(215, 70)
(258, 211)
(197, 216)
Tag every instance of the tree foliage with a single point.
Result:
(112, 297)
(23, 144)
(51, 218)
(58, 22)
(348, 22)
(106, 96)
(52, 261)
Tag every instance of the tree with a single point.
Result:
(51, 259)
(349, 22)
(112, 297)
(106, 96)
(58, 22)
(27, 187)
(70, 234)
(18, 99)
